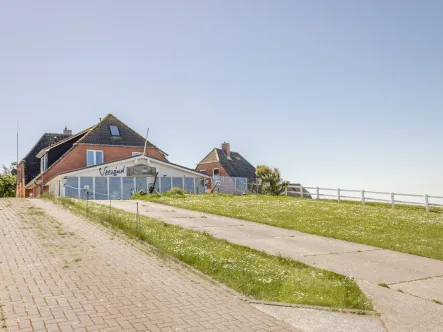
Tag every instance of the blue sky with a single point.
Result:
(334, 93)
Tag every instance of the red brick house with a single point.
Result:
(93, 150)
(224, 162)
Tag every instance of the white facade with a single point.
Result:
(111, 180)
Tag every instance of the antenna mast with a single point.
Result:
(17, 146)
(146, 142)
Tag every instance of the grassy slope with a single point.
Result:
(251, 272)
(407, 228)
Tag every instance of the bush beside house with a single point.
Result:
(7, 182)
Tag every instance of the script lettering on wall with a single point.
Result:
(106, 171)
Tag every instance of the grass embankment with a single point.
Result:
(406, 228)
(253, 273)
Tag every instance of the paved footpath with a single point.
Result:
(416, 283)
(59, 272)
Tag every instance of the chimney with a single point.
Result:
(67, 132)
(226, 149)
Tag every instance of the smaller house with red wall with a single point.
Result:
(106, 161)
(229, 168)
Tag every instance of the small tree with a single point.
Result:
(7, 182)
(270, 180)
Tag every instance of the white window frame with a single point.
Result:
(44, 163)
(95, 157)
(213, 171)
(136, 154)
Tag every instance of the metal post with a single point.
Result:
(109, 205)
(87, 201)
(363, 201)
(393, 200)
(286, 191)
(427, 203)
(301, 191)
(338, 195)
(318, 192)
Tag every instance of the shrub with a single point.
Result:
(7, 182)
(271, 180)
(175, 191)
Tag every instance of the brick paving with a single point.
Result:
(59, 272)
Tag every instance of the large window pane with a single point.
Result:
(141, 184)
(189, 185)
(86, 186)
(128, 187)
(177, 182)
(165, 184)
(71, 187)
(115, 188)
(98, 157)
(157, 185)
(101, 188)
(200, 185)
(90, 158)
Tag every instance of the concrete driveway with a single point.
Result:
(415, 283)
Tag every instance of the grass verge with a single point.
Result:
(253, 273)
(406, 228)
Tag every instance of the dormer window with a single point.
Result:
(43, 163)
(114, 130)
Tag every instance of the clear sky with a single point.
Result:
(334, 93)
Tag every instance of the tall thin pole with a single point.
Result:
(17, 144)
(146, 142)
(17, 194)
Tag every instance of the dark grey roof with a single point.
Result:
(74, 137)
(101, 134)
(236, 166)
(32, 163)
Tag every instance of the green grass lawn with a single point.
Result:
(253, 273)
(407, 228)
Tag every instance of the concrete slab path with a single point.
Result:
(59, 272)
(416, 283)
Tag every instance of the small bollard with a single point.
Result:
(87, 202)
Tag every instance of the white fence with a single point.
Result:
(368, 196)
